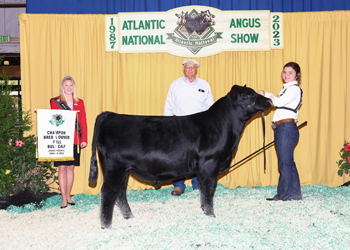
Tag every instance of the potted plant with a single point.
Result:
(344, 162)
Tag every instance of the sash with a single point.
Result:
(64, 106)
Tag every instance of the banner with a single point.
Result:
(194, 31)
(56, 130)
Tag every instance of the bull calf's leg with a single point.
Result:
(108, 198)
(114, 191)
(207, 190)
(122, 201)
(199, 179)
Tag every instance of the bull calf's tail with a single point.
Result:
(93, 161)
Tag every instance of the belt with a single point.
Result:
(275, 124)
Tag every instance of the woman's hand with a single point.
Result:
(261, 92)
(83, 145)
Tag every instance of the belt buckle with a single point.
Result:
(273, 125)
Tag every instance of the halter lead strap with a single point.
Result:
(263, 122)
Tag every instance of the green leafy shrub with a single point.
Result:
(19, 168)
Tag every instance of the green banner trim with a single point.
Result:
(194, 43)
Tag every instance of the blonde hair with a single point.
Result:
(62, 95)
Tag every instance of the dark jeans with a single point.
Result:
(286, 137)
(180, 183)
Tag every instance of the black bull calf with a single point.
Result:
(163, 148)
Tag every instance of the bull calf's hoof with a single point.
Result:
(129, 216)
(210, 215)
(106, 227)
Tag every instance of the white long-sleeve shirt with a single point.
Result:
(290, 99)
(186, 98)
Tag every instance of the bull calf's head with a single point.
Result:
(250, 101)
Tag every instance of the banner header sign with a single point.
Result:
(194, 31)
(55, 134)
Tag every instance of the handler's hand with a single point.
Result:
(83, 145)
(261, 92)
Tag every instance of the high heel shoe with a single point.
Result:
(71, 203)
(63, 206)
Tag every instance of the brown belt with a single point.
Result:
(284, 120)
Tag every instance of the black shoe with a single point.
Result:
(269, 199)
(63, 206)
(71, 203)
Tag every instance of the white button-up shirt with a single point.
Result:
(290, 99)
(186, 98)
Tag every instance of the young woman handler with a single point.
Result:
(287, 104)
(68, 100)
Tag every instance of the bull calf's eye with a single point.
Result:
(245, 96)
